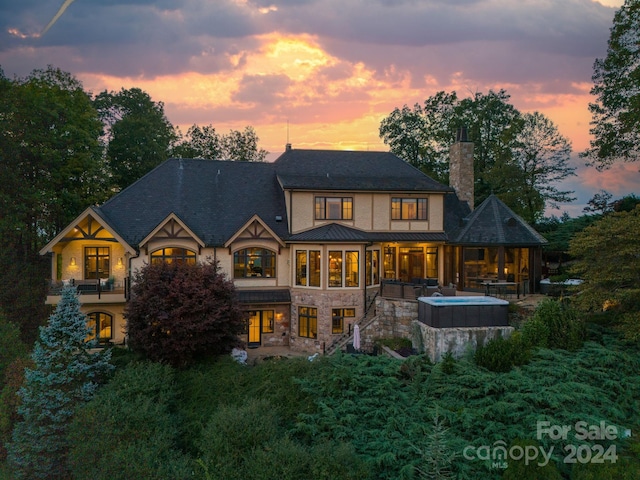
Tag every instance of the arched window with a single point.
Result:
(173, 254)
(254, 262)
(101, 325)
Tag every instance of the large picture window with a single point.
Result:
(334, 208)
(254, 262)
(344, 268)
(170, 255)
(101, 326)
(308, 268)
(408, 208)
(96, 262)
(308, 322)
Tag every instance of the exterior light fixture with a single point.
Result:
(72, 263)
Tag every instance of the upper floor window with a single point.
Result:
(96, 262)
(408, 208)
(254, 262)
(171, 254)
(334, 208)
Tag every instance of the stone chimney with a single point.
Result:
(461, 167)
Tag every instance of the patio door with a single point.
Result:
(411, 263)
(255, 329)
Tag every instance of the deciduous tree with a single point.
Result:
(517, 157)
(179, 312)
(616, 85)
(205, 142)
(608, 260)
(138, 134)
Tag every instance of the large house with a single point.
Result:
(307, 239)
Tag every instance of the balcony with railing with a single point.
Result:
(91, 291)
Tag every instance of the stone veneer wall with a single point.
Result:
(461, 170)
(324, 301)
(393, 318)
(399, 318)
(438, 341)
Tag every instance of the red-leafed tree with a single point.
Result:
(180, 312)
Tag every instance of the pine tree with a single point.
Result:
(66, 373)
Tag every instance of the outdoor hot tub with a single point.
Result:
(452, 312)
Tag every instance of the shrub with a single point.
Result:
(554, 324)
(246, 441)
(180, 312)
(529, 470)
(129, 429)
(501, 355)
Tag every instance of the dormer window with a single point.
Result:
(334, 208)
(254, 262)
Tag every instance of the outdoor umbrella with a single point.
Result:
(356, 337)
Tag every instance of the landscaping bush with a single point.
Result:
(554, 324)
(501, 355)
(130, 429)
(180, 312)
(248, 442)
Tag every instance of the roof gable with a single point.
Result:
(255, 229)
(89, 225)
(493, 223)
(171, 228)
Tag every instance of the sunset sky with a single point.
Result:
(323, 73)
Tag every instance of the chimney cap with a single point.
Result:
(461, 134)
(287, 147)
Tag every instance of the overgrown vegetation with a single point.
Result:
(356, 416)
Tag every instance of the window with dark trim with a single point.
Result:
(96, 262)
(408, 208)
(101, 326)
(372, 267)
(334, 208)
(308, 268)
(337, 318)
(308, 322)
(173, 254)
(254, 262)
(344, 268)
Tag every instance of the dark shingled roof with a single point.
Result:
(351, 170)
(335, 232)
(214, 199)
(493, 223)
(264, 296)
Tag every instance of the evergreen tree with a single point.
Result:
(616, 86)
(65, 374)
